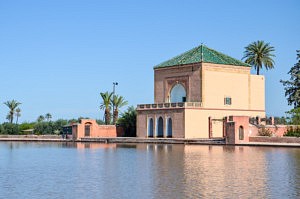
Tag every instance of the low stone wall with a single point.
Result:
(32, 136)
(274, 139)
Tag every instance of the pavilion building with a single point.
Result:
(196, 92)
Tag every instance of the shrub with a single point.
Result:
(9, 128)
(293, 132)
(263, 131)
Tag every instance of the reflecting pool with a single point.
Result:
(94, 170)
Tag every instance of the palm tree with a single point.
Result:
(128, 122)
(48, 117)
(118, 102)
(12, 105)
(258, 54)
(18, 114)
(41, 118)
(106, 105)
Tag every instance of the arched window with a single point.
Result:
(169, 128)
(241, 133)
(178, 94)
(150, 127)
(160, 127)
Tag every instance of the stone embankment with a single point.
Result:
(45, 138)
(218, 141)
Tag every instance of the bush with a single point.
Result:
(293, 132)
(263, 131)
(25, 126)
(9, 128)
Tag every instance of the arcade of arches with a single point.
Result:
(160, 128)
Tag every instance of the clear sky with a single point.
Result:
(56, 56)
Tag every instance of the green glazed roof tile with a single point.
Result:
(202, 54)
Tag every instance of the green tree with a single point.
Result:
(10, 128)
(259, 53)
(106, 106)
(41, 118)
(292, 86)
(48, 117)
(128, 122)
(294, 116)
(26, 126)
(118, 102)
(18, 114)
(12, 105)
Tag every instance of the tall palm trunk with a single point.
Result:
(107, 116)
(115, 116)
(11, 116)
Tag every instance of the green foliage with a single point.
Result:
(128, 122)
(263, 131)
(118, 102)
(2, 129)
(294, 116)
(9, 128)
(280, 120)
(48, 117)
(49, 127)
(292, 86)
(12, 105)
(293, 132)
(41, 118)
(106, 106)
(25, 126)
(258, 54)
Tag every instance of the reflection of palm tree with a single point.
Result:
(106, 105)
(118, 102)
(12, 105)
(258, 54)
(48, 117)
(18, 114)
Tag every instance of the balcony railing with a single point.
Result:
(169, 105)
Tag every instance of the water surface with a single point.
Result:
(92, 170)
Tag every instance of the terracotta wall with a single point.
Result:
(187, 75)
(78, 130)
(177, 116)
(252, 131)
(275, 139)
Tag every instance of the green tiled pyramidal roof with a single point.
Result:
(202, 54)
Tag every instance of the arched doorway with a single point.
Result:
(169, 128)
(160, 127)
(241, 133)
(150, 127)
(178, 94)
(87, 129)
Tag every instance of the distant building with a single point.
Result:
(90, 128)
(195, 91)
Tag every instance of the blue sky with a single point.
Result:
(57, 56)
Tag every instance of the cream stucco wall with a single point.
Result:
(197, 122)
(219, 84)
(210, 84)
(257, 92)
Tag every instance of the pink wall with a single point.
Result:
(232, 130)
(96, 130)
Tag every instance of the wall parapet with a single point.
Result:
(274, 139)
(168, 105)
